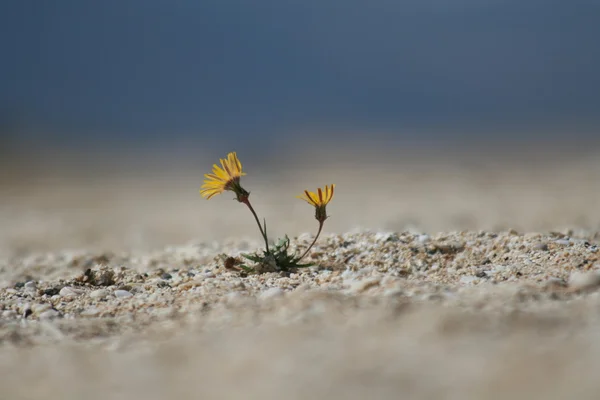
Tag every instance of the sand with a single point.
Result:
(431, 281)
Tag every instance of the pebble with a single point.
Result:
(563, 242)
(30, 285)
(99, 294)
(69, 292)
(272, 293)
(40, 308)
(49, 314)
(120, 294)
(584, 280)
(90, 312)
(423, 238)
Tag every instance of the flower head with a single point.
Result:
(319, 200)
(225, 178)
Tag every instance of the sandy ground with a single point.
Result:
(463, 280)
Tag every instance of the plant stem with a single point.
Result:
(263, 233)
(314, 241)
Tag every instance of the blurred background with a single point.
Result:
(429, 115)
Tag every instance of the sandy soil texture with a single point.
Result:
(433, 280)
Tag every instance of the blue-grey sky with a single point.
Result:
(243, 67)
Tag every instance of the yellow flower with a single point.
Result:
(225, 178)
(319, 200)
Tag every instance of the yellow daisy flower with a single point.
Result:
(225, 178)
(319, 200)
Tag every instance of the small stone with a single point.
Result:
(579, 281)
(541, 247)
(483, 274)
(49, 314)
(99, 294)
(27, 311)
(272, 293)
(30, 291)
(450, 248)
(122, 294)
(563, 242)
(90, 312)
(30, 285)
(40, 308)
(166, 276)
(52, 291)
(68, 291)
(423, 238)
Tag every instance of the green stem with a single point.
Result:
(263, 233)
(314, 241)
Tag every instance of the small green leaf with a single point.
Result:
(247, 268)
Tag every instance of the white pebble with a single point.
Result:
(30, 285)
(69, 292)
(99, 294)
(90, 312)
(384, 236)
(40, 308)
(122, 294)
(423, 238)
(49, 314)
(584, 280)
(271, 293)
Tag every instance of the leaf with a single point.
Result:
(253, 257)
(247, 268)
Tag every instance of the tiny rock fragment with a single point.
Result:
(122, 294)
(68, 291)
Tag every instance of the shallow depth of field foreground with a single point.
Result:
(435, 279)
